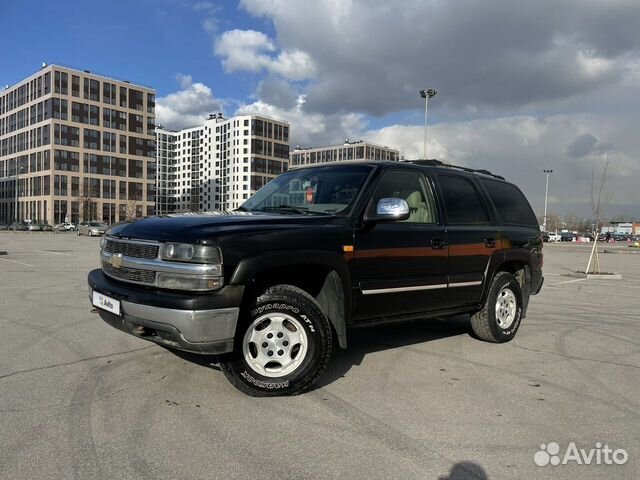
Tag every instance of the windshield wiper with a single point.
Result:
(284, 208)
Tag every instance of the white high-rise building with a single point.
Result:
(220, 164)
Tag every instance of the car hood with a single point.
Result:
(202, 228)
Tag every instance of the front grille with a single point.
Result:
(130, 274)
(130, 249)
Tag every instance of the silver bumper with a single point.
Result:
(198, 331)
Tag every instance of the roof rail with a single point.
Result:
(438, 163)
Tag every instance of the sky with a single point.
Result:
(522, 86)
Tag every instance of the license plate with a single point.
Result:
(106, 303)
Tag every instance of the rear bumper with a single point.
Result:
(192, 323)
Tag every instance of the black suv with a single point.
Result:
(274, 285)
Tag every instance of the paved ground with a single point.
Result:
(81, 400)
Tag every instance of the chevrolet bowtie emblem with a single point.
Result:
(116, 260)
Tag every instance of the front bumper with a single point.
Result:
(204, 324)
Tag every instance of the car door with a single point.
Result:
(472, 234)
(400, 267)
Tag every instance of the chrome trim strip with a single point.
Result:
(403, 289)
(375, 291)
(165, 267)
(153, 243)
(465, 284)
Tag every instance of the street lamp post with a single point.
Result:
(546, 194)
(426, 94)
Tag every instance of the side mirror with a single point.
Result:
(390, 210)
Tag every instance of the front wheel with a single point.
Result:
(500, 317)
(283, 346)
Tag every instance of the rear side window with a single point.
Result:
(511, 204)
(462, 202)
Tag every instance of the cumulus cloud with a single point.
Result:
(586, 144)
(253, 51)
(310, 129)
(187, 107)
(521, 147)
(373, 57)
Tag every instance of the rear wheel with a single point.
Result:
(283, 346)
(500, 317)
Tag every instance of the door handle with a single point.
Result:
(437, 243)
(490, 242)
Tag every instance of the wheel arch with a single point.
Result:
(518, 263)
(324, 275)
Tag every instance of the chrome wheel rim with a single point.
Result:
(275, 345)
(506, 307)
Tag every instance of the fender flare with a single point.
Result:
(523, 256)
(335, 296)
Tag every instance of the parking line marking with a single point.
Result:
(19, 263)
(56, 253)
(569, 281)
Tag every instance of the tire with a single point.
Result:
(500, 317)
(283, 344)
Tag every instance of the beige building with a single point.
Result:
(360, 150)
(81, 147)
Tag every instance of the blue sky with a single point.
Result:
(145, 41)
(522, 86)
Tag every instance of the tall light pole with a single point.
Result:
(546, 194)
(426, 94)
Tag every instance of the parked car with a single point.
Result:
(92, 229)
(64, 227)
(554, 237)
(34, 227)
(18, 226)
(319, 249)
(4, 227)
(567, 237)
(545, 236)
(45, 227)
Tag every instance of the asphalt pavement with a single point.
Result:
(81, 400)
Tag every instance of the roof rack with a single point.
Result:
(438, 163)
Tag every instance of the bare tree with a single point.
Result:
(600, 201)
(85, 201)
(131, 207)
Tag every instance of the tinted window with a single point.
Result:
(411, 187)
(461, 201)
(319, 189)
(510, 203)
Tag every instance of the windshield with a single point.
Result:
(96, 224)
(322, 190)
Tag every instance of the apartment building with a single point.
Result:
(360, 150)
(221, 163)
(79, 146)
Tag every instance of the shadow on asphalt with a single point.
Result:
(466, 471)
(366, 340)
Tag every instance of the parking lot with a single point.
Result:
(79, 399)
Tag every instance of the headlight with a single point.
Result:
(187, 282)
(186, 252)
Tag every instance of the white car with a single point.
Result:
(554, 237)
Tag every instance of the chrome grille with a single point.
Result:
(131, 249)
(130, 274)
